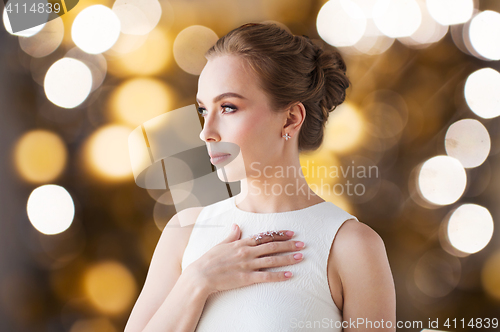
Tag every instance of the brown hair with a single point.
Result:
(291, 69)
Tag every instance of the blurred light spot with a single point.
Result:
(46, 41)
(468, 141)
(373, 41)
(481, 92)
(470, 228)
(107, 152)
(40, 156)
(126, 44)
(317, 166)
(95, 29)
(110, 287)
(442, 180)
(137, 100)
(427, 33)
(341, 23)
(68, 82)
(137, 17)
(95, 62)
(437, 273)
(448, 12)
(343, 129)
(380, 103)
(490, 275)
(190, 47)
(24, 33)
(397, 18)
(149, 59)
(484, 31)
(50, 209)
(93, 325)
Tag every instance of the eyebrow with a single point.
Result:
(224, 95)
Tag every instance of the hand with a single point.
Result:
(235, 263)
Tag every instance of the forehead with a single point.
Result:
(226, 73)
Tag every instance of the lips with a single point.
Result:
(218, 157)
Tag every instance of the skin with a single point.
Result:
(358, 270)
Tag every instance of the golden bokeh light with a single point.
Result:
(470, 228)
(150, 58)
(490, 275)
(317, 167)
(106, 152)
(50, 209)
(110, 287)
(441, 180)
(40, 156)
(93, 325)
(468, 141)
(448, 12)
(140, 99)
(190, 47)
(95, 29)
(484, 34)
(344, 128)
(341, 23)
(68, 82)
(481, 92)
(44, 42)
(137, 17)
(397, 18)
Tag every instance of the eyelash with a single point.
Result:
(201, 109)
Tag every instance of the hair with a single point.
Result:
(290, 69)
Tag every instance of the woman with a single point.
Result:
(269, 93)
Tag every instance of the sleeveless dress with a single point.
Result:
(301, 303)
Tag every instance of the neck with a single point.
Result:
(277, 188)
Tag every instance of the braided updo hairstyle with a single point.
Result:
(290, 69)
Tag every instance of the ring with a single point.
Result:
(259, 236)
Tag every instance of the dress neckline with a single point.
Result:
(308, 208)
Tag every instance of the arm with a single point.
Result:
(169, 300)
(368, 287)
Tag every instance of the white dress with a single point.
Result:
(301, 303)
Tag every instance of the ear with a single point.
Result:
(295, 116)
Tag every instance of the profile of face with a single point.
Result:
(238, 118)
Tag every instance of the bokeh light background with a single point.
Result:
(77, 234)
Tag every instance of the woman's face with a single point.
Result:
(237, 111)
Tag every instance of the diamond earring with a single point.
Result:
(286, 136)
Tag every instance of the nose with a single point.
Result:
(210, 131)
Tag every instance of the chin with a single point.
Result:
(233, 171)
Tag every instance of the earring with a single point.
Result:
(286, 136)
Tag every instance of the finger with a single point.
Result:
(234, 235)
(264, 237)
(277, 247)
(276, 261)
(263, 276)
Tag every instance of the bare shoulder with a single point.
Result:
(178, 230)
(355, 238)
(358, 252)
(361, 264)
(165, 267)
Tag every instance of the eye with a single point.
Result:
(226, 108)
(200, 110)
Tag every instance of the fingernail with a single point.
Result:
(297, 256)
(299, 244)
(288, 274)
(289, 233)
(234, 227)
